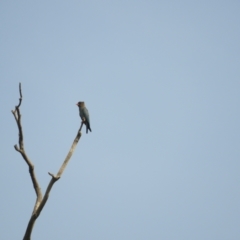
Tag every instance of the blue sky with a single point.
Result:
(161, 81)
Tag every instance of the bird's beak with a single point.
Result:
(77, 104)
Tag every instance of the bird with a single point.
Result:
(83, 113)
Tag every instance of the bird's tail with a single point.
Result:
(88, 128)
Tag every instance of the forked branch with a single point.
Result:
(52, 181)
(40, 201)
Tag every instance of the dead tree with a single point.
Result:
(40, 200)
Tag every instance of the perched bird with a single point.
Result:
(83, 113)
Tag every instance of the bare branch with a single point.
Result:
(16, 148)
(20, 99)
(53, 176)
(17, 115)
(59, 174)
(52, 181)
(40, 201)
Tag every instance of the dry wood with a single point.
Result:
(40, 201)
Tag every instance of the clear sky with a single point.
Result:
(161, 81)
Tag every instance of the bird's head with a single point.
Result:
(80, 104)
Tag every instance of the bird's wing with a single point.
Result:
(85, 114)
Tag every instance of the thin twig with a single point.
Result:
(17, 115)
(20, 92)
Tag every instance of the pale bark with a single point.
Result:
(40, 201)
